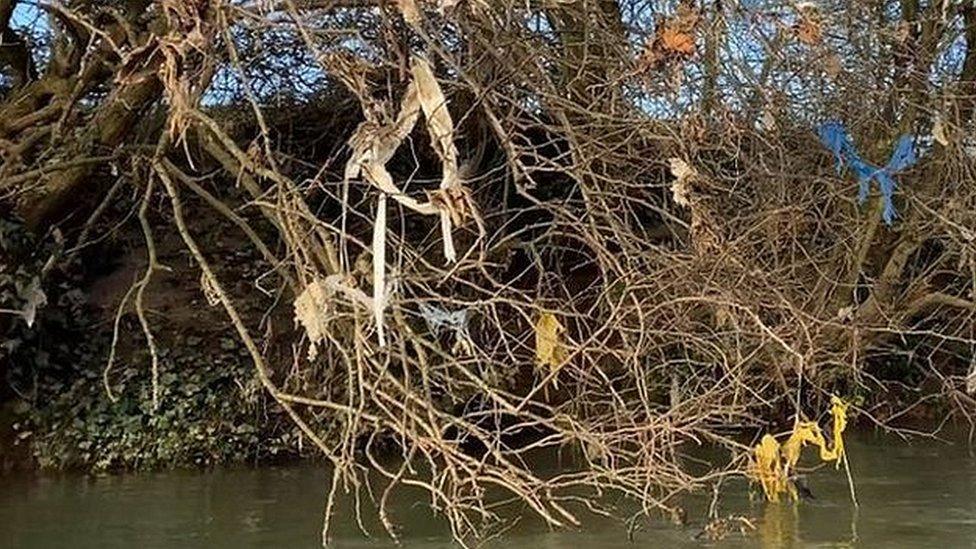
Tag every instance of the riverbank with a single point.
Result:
(84, 391)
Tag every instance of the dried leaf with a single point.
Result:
(809, 29)
(310, 308)
(673, 40)
(209, 290)
(549, 350)
(939, 132)
(409, 10)
(678, 42)
(767, 469)
(681, 169)
(767, 122)
(809, 32)
(723, 316)
(846, 314)
(903, 31)
(312, 305)
(681, 188)
(838, 410)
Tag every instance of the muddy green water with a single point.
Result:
(920, 494)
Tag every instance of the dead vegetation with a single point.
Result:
(599, 225)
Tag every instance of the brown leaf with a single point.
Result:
(678, 42)
(809, 31)
(313, 304)
(310, 313)
(673, 40)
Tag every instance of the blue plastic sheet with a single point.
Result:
(834, 136)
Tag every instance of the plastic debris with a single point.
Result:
(374, 143)
(439, 320)
(36, 298)
(774, 464)
(834, 136)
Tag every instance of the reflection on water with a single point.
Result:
(911, 495)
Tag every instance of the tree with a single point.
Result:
(646, 178)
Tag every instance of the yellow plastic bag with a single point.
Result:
(773, 463)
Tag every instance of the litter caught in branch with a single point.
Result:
(439, 320)
(834, 136)
(314, 302)
(454, 201)
(774, 464)
(35, 299)
(373, 145)
(379, 267)
(939, 132)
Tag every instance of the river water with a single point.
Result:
(918, 494)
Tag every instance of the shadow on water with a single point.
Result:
(920, 494)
